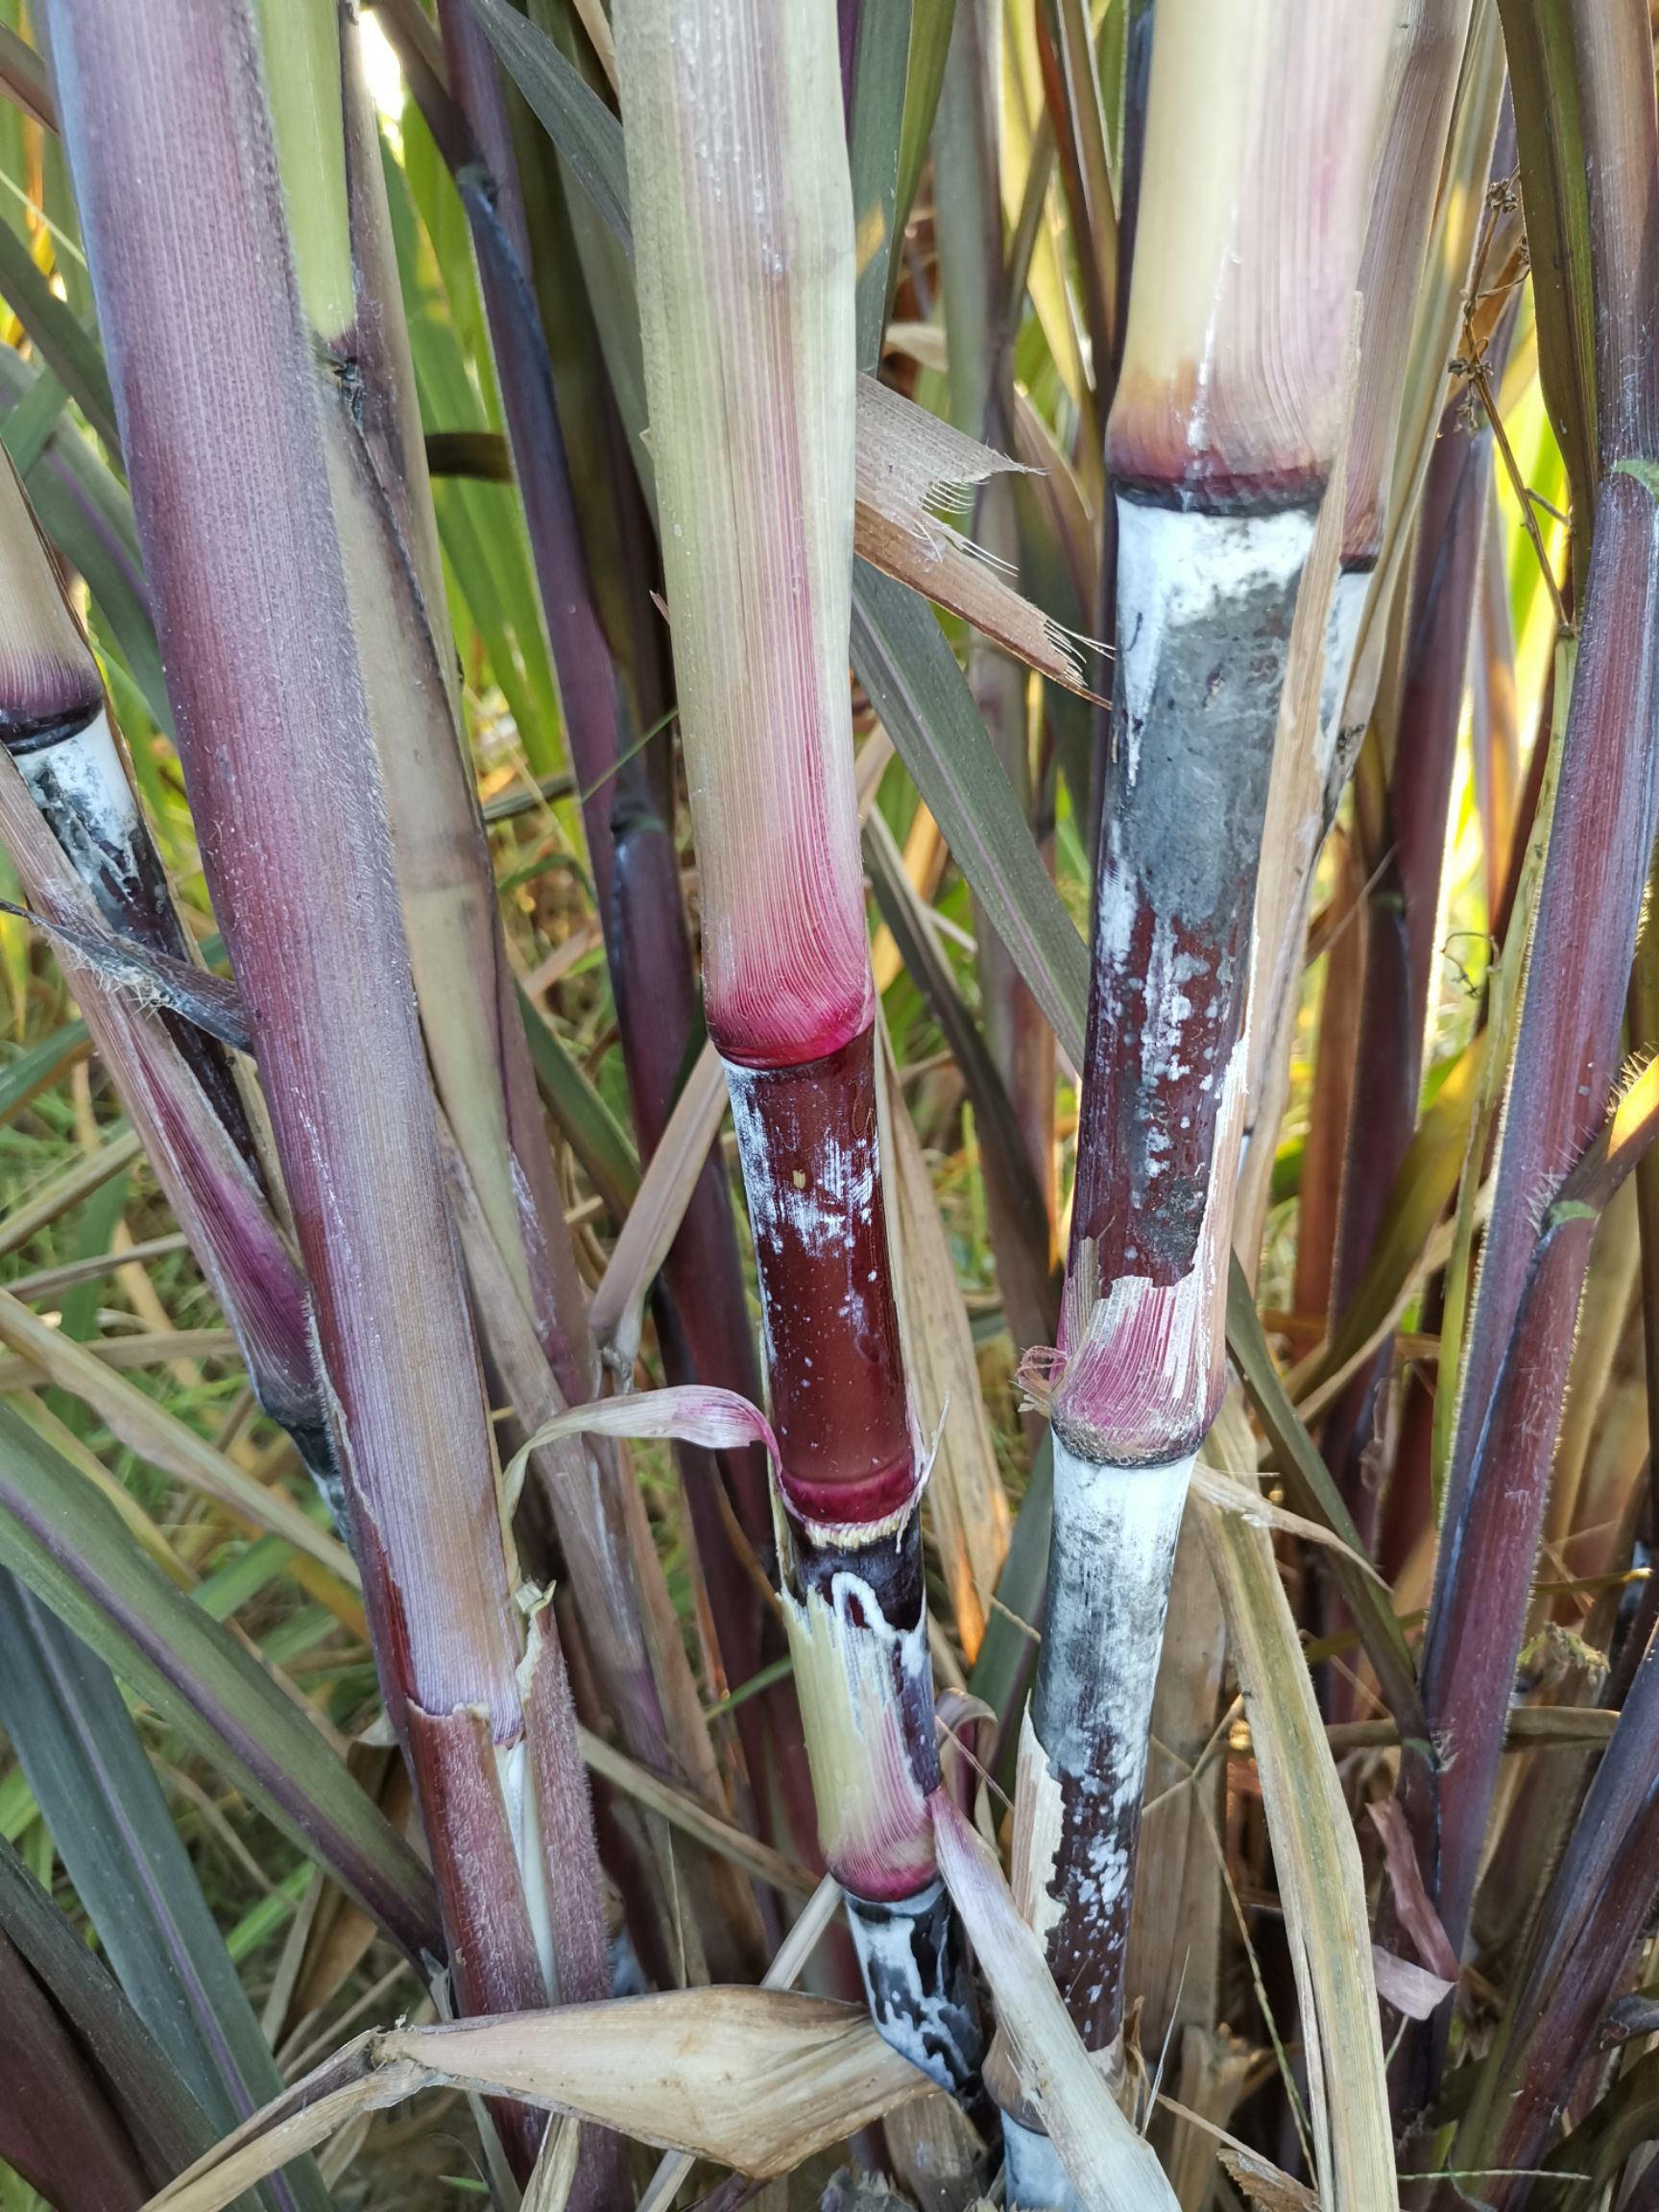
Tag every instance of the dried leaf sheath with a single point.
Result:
(55, 724)
(764, 368)
(743, 235)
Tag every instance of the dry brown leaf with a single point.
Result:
(658, 1206)
(755, 2080)
(1261, 2181)
(965, 1505)
(1264, 2183)
(1320, 1879)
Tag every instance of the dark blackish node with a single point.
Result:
(24, 733)
(1210, 487)
(314, 1441)
(891, 1565)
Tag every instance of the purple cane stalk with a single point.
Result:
(244, 557)
(1567, 1049)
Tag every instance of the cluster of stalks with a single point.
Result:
(1227, 439)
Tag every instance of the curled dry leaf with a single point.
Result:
(1219, 1488)
(755, 2080)
(1262, 2183)
(1411, 1901)
(692, 1413)
(1265, 2185)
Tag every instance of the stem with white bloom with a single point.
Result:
(1219, 442)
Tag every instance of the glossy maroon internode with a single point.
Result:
(810, 1146)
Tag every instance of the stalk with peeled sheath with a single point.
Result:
(1219, 442)
(743, 228)
(245, 559)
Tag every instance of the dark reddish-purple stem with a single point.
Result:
(1401, 909)
(243, 555)
(1595, 1912)
(1567, 1051)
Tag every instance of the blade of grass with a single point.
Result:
(57, 334)
(159, 1436)
(915, 685)
(66, 1543)
(130, 1870)
(1313, 1491)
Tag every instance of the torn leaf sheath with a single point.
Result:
(72, 766)
(500, 1909)
(1342, 718)
(1205, 607)
(857, 1625)
(210, 1183)
(1083, 1747)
